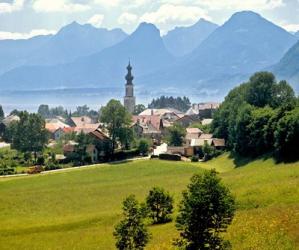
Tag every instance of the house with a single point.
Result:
(203, 110)
(84, 124)
(150, 126)
(186, 120)
(192, 133)
(59, 133)
(54, 126)
(218, 143)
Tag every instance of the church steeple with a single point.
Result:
(129, 99)
(129, 77)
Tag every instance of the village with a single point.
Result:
(153, 127)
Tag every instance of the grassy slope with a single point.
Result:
(78, 209)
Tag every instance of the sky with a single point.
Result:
(27, 18)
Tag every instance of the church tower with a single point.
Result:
(129, 99)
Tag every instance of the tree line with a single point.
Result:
(260, 116)
(180, 103)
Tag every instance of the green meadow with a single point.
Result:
(78, 208)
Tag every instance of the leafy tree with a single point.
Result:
(208, 151)
(160, 205)
(116, 118)
(83, 141)
(205, 212)
(44, 111)
(143, 146)
(284, 95)
(29, 134)
(207, 129)
(138, 109)
(260, 132)
(1, 113)
(261, 89)
(176, 135)
(286, 136)
(131, 233)
(15, 112)
(126, 137)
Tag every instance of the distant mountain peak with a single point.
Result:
(147, 28)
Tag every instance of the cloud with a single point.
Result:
(126, 4)
(96, 20)
(240, 5)
(292, 27)
(58, 6)
(17, 35)
(127, 18)
(11, 7)
(169, 15)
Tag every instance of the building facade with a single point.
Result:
(129, 99)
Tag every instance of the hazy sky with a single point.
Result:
(25, 18)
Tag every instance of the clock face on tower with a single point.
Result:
(129, 99)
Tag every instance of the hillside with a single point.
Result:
(183, 40)
(288, 67)
(77, 209)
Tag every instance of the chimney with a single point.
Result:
(152, 112)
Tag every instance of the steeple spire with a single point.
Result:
(129, 76)
(129, 99)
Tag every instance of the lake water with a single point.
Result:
(94, 98)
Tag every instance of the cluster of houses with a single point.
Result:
(151, 124)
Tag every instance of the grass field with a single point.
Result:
(78, 209)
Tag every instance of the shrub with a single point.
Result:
(7, 167)
(131, 232)
(169, 157)
(205, 212)
(40, 160)
(143, 146)
(194, 158)
(52, 166)
(160, 205)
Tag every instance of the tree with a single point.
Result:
(176, 135)
(138, 109)
(44, 111)
(131, 233)
(29, 134)
(83, 141)
(286, 136)
(116, 118)
(143, 146)
(160, 205)
(1, 113)
(182, 104)
(205, 212)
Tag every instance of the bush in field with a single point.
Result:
(131, 233)
(143, 146)
(7, 167)
(205, 212)
(160, 205)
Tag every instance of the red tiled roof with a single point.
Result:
(154, 120)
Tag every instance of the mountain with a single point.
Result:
(73, 41)
(182, 40)
(288, 66)
(14, 53)
(244, 44)
(297, 34)
(144, 47)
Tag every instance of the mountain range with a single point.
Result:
(183, 40)
(200, 58)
